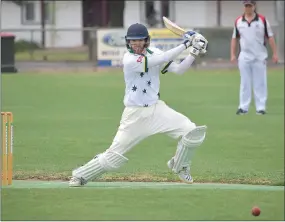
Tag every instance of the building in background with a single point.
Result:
(69, 17)
(194, 13)
(20, 17)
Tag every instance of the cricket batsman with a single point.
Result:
(145, 114)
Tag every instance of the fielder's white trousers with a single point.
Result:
(253, 73)
(138, 123)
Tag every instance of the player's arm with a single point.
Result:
(199, 45)
(269, 34)
(141, 63)
(235, 36)
(179, 68)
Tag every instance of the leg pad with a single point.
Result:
(186, 146)
(104, 162)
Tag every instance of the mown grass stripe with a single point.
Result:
(139, 185)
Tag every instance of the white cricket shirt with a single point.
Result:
(142, 82)
(252, 37)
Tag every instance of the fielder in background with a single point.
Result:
(145, 114)
(252, 29)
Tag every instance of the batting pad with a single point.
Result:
(111, 160)
(102, 163)
(186, 147)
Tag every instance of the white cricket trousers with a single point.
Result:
(138, 123)
(253, 73)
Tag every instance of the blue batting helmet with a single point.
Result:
(137, 31)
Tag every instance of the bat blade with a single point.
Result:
(173, 27)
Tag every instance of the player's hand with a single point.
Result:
(233, 58)
(204, 47)
(199, 45)
(188, 38)
(275, 58)
(189, 35)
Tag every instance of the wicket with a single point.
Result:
(7, 147)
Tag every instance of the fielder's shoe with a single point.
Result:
(184, 174)
(77, 182)
(241, 112)
(260, 112)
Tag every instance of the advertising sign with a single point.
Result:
(111, 44)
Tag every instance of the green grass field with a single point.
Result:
(52, 55)
(63, 119)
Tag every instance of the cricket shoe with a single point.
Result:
(77, 182)
(260, 112)
(184, 174)
(241, 112)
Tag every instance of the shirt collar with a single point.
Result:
(254, 19)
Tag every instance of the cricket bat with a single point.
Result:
(173, 27)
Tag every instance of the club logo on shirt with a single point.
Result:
(140, 59)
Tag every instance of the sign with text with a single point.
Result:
(111, 44)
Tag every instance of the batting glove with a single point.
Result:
(199, 45)
(188, 37)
